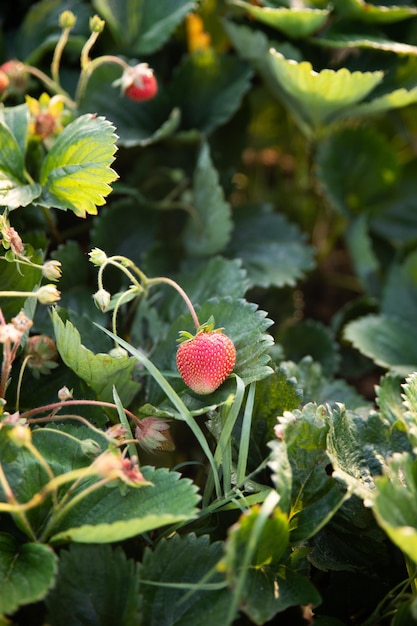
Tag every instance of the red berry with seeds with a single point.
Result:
(206, 359)
(139, 83)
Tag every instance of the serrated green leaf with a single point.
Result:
(334, 39)
(395, 503)
(208, 88)
(27, 572)
(143, 25)
(388, 340)
(388, 398)
(273, 251)
(370, 12)
(76, 172)
(315, 496)
(396, 221)
(100, 371)
(215, 277)
(345, 157)
(311, 338)
(208, 231)
(396, 99)
(183, 560)
(320, 97)
(108, 515)
(399, 296)
(262, 602)
(359, 446)
(100, 581)
(294, 22)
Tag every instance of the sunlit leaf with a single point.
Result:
(370, 12)
(76, 172)
(294, 22)
(320, 97)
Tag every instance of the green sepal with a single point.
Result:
(206, 327)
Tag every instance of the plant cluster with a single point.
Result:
(208, 289)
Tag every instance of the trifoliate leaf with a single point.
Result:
(76, 172)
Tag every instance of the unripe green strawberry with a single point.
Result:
(206, 359)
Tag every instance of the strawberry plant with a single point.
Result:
(208, 389)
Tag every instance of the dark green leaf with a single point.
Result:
(208, 230)
(269, 593)
(27, 571)
(208, 89)
(389, 341)
(347, 156)
(137, 123)
(215, 277)
(97, 584)
(399, 296)
(310, 338)
(273, 251)
(143, 25)
(40, 29)
(183, 560)
(76, 171)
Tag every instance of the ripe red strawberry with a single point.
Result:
(206, 359)
(139, 83)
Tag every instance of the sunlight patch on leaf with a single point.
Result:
(76, 173)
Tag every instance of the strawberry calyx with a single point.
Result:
(207, 327)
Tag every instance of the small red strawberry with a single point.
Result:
(139, 83)
(206, 359)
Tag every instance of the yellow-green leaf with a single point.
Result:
(76, 173)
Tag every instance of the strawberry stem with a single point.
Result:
(172, 283)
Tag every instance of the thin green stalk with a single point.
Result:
(125, 423)
(245, 435)
(172, 283)
(223, 453)
(183, 413)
